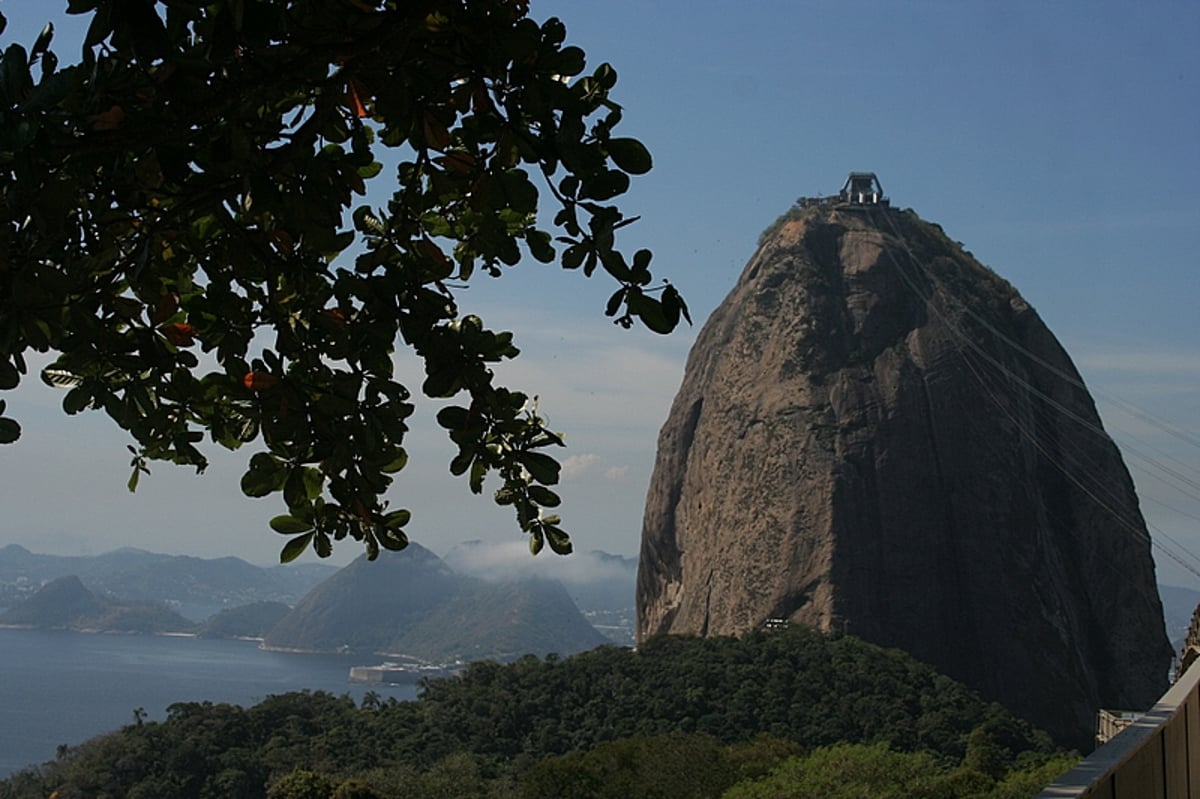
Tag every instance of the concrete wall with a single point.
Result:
(1157, 757)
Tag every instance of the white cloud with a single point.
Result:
(616, 472)
(511, 560)
(578, 465)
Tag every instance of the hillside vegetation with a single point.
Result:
(680, 717)
(65, 604)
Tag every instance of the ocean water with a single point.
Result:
(63, 688)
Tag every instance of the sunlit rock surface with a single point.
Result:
(875, 434)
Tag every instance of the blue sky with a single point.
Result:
(1056, 140)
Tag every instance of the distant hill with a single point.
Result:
(367, 605)
(177, 579)
(600, 584)
(411, 603)
(66, 604)
(248, 621)
(501, 621)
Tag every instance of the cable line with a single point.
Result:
(1144, 415)
(1059, 459)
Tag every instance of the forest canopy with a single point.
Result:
(688, 717)
(182, 225)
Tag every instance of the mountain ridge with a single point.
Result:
(66, 604)
(444, 616)
(177, 579)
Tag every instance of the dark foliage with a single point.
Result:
(675, 695)
(191, 186)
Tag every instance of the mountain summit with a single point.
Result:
(411, 603)
(877, 435)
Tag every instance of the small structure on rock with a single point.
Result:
(863, 188)
(860, 189)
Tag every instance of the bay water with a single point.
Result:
(64, 687)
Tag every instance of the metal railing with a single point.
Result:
(1156, 757)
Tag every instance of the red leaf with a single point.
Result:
(259, 381)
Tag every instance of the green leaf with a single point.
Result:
(479, 469)
(395, 464)
(289, 525)
(370, 170)
(520, 193)
(259, 483)
(560, 542)
(266, 475)
(631, 155)
(445, 382)
(614, 302)
(15, 80)
(605, 75)
(10, 431)
(453, 417)
(670, 308)
(571, 61)
(396, 519)
(605, 185)
(650, 311)
(43, 40)
(674, 305)
(541, 467)
(395, 540)
(101, 26)
(614, 264)
(294, 548)
(544, 497)
(540, 246)
(572, 257)
(313, 481)
(461, 462)
(76, 400)
(9, 376)
(60, 378)
(536, 542)
(640, 273)
(303, 484)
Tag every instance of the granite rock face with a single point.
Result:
(876, 435)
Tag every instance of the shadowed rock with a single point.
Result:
(875, 434)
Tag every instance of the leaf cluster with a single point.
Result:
(179, 223)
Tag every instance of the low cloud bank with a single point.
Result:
(511, 560)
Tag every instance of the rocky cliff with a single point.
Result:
(876, 435)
